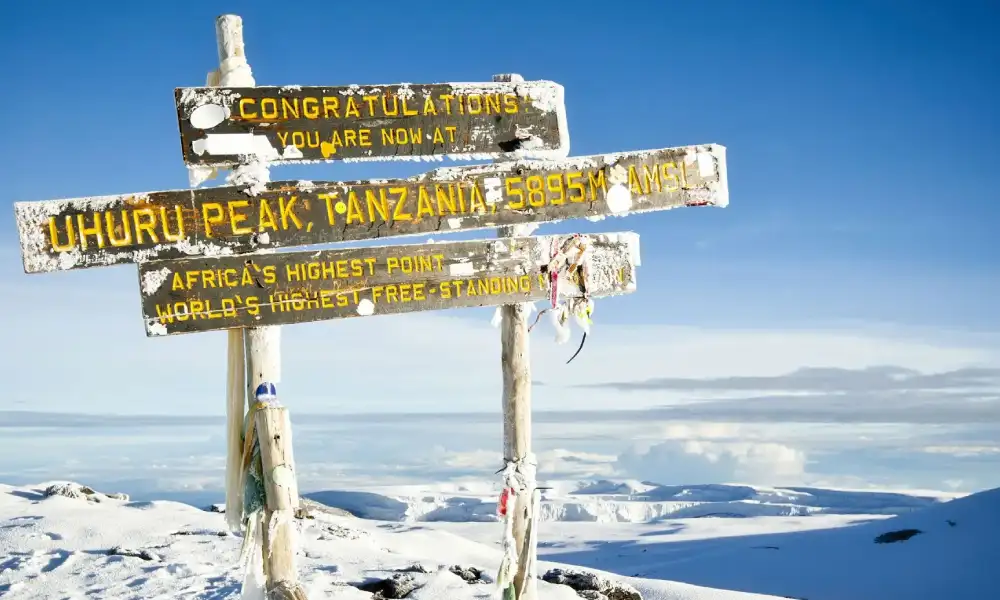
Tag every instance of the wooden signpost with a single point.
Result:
(207, 258)
(220, 126)
(127, 228)
(204, 294)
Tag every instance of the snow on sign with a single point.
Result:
(291, 124)
(210, 293)
(90, 232)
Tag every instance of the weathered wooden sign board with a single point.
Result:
(204, 294)
(292, 124)
(92, 232)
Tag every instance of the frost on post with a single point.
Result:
(518, 480)
(250, 168)
(254, 503)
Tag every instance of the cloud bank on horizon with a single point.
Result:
(95, 358)
(856, 406)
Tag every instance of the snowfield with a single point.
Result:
(607, 501)
(58, 547)
(75, 547)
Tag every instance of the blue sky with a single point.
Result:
(862, 144)
(859, 133)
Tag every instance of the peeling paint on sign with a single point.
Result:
(202, 294)
(219, 126)
(239, 219)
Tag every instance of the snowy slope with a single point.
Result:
(607, 501)
(954, 557)
(57, 547)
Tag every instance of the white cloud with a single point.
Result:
(710, 431)
(570, 464)
(476, 459)
(963, 451)
(556, 462)
(711, 453)
(693, 461)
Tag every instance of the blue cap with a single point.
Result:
(266, 392)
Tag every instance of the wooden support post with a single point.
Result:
(235, 427)
(274, 431)
(263, 364)
(515, 362)
(233, 70)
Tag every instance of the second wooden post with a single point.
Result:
(515, 362)
(263, 366)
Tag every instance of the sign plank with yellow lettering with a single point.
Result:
(210, 293)
(289, 124)
(91, 232)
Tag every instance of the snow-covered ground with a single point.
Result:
(58, 547)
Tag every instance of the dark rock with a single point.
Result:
(332, 531)
(398, 586)
(469, 574)
(311, 508)
(202, 532)
(414, 568)
(286, 590)
(583, 581)
(897, 536)
(217, 508)
(578, 580)
(621, 591)
(75, 490)
(134, 552)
